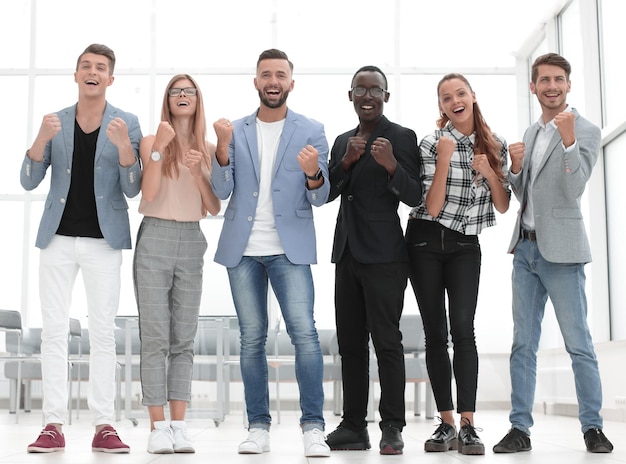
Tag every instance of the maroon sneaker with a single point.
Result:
(49, 441)
(108, 441)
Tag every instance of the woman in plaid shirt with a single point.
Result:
(464, 177)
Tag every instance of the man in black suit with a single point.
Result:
(373, 168)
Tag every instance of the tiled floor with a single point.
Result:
(556, 440)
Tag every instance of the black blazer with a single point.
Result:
(368, 215)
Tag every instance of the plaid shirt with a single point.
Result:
(468, 207)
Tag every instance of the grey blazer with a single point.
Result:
(111, 181)
(560, 182)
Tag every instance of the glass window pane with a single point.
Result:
(572, 50)
(616, 224)
(14, 118)
(122, 25)
(15, 33)
(614, 66)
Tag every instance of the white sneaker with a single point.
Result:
(182, 443)
(258, 442)
(161, 439)
(315, 444)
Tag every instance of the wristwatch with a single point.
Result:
(316, 176)
(155, 155)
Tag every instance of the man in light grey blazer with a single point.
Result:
(549, 172)
(91, 149)
(273, 166)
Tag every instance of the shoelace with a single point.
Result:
(317, 436)
(108, 433)
(50, 433)
(466, 424)
(442, 425)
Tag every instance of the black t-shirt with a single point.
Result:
(80, 217)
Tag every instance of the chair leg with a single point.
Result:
(417, 399)
(28, 396)
(12, 396)
(18, 391)
(430, 401)
(118, 392)
(337, 398)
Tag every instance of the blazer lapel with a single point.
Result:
(68, 120)
(109, 115)
(249, 131)
(367, 156)
(285, 137)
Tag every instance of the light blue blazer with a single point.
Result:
(111, 181)
(559, 184)
(293, 212)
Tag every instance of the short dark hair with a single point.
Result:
(274, 54)
(375, 69)
(553, 59)
(99, 49)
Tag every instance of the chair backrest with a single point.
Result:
(10, 320)
(75, 328)
(412, 333)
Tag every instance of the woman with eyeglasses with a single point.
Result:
(167, 268)
(464, 177)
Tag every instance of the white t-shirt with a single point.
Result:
(264, 239)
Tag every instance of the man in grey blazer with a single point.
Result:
(273, 166)
(548, 174)
(92, 150)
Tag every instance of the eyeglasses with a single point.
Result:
(375, 92)
(189, 91)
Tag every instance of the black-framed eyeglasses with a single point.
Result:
(189, 91)
(375, 92)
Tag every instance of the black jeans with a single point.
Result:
(368, 300)
(443, 261)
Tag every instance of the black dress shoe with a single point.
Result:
(514, 441)
(344, 439)
(442, 440)
(596, 441)
(391, 441)
(468, 441)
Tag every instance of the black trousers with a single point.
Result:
(368, 301)
(443, 261)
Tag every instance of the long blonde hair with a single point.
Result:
(172, 151)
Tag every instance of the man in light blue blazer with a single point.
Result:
(549, 172)
(273, 166)
(91, 149)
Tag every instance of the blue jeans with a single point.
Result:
(293, 286)
(534, 280)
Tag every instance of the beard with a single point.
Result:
(274, 104)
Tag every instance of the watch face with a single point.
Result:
(155, 155)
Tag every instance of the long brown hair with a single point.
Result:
(484, 142)
(170, 163)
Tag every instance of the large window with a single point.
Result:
(415, 43)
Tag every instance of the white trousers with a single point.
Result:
(100, 266)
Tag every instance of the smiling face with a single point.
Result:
(456, 100)
(368, 108)
(93, 75)
(273, 82)
(182, 104)
(551, 87)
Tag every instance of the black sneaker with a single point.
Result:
(596, 441)
(344, 439)
(391, 441)
(514, 441)
(468, 441)
(443, 439)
